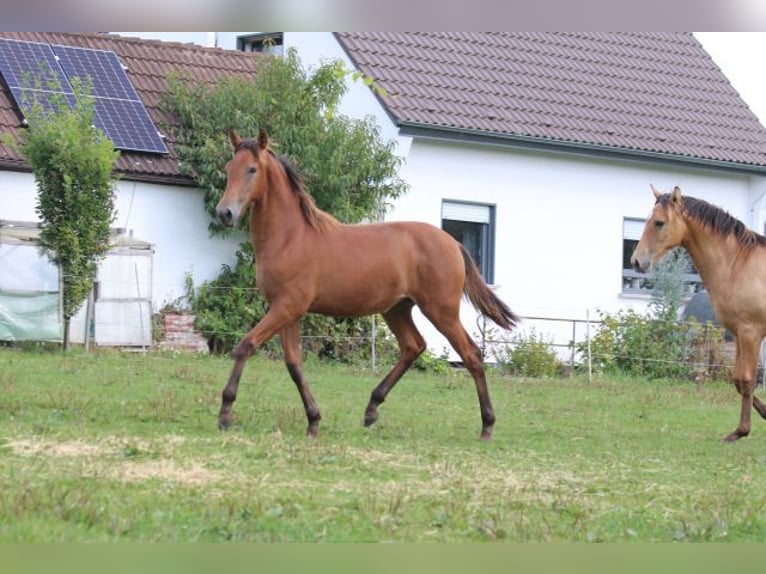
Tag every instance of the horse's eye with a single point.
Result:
(252, 169)
(658, 224)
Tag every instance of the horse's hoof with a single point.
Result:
(734, 436)
(486, 435)
(224, 424)
(370, 418)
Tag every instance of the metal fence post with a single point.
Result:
(587, 338)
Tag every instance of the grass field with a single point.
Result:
(124, 447)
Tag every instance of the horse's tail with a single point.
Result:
(482, 297)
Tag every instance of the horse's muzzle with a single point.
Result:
(637, 266)
(225, 216)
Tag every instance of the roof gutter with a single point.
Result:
(454, 134)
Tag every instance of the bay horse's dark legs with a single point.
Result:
(411, 345)
(748, 346)
(267, 327)
(449, 325)
(291, 346)
(759, 406)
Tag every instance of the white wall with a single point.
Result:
(558, 221)
(172, 218)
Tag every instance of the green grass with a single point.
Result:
(124, 447)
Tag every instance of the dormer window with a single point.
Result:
(266, 43)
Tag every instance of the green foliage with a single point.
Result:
(528, 354)
(430, 362)
(227, 307)
(656, 344)
(669, 287)
(72, 162)
(347, 168)
(640, 344)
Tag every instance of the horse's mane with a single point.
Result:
(315, 217)
(717, 220)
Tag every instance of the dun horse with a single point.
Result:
(731, 260)
(308, 262)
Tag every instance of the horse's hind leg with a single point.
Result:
(449, 325)
(290, 338)
(411, 345)
(744, 381)
(759, 406)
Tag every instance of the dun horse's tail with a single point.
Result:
(482, 297)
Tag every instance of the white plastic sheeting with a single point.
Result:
(30, 302)
(29, 288)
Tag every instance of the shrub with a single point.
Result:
(432, 363)
(528, 354)
(657, 347)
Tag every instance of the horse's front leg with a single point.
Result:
(271, 323)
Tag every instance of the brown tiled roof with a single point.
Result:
(149, 62)
(640, 93)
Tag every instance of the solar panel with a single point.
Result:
(128, 125)
(48, 99)
(31, 65)
(104, 69)
(119, 111)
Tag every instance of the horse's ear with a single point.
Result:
(657, 193)
(234, 138)
(676, 195)
(263, 139)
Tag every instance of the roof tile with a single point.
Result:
(658, 92)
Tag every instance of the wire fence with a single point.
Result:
(569, 338)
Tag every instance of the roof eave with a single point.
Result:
(120, 175)
(448, 133)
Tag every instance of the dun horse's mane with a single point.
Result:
(717, 220)
(315, 217)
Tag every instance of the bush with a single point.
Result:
(657, 347)
(528, 354)
(431, 363)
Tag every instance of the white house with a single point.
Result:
(538, 151)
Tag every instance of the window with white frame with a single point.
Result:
(637, 282)
(266, 43)
(473, 225)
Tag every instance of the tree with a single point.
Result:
(348, 169)
(346, 166)
(72, 162)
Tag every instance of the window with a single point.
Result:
(267, 43)
(632, 281)
(473, 225)
(636, 282)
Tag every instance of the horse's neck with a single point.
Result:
(712, 254)
(276, 219)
